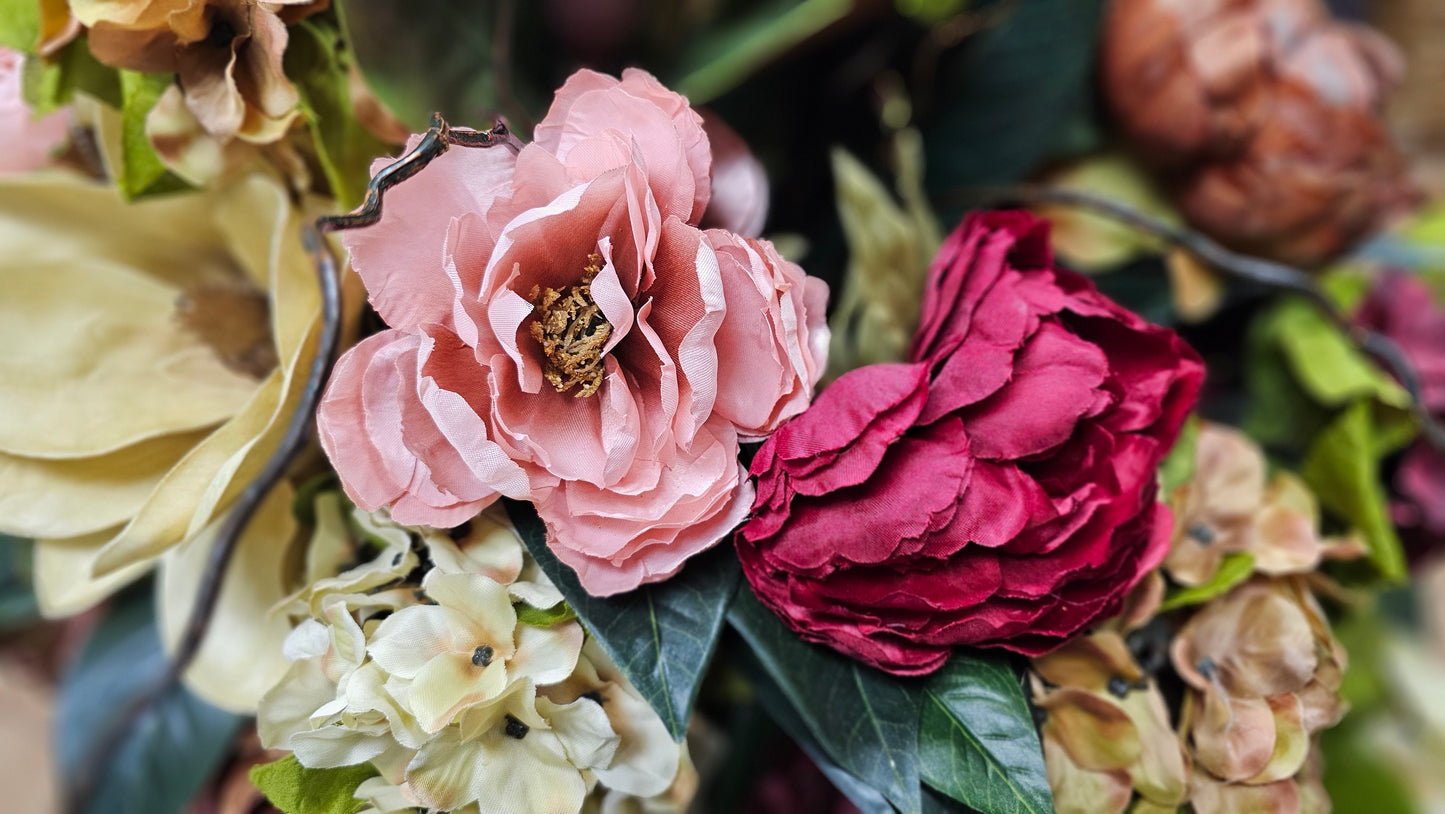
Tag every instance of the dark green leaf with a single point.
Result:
(141, 172)
(176, 744)
(1233, 569)
(977, 742)
(1011, 92)
(18, 606)
(1342, 468)
(320, 66)
(661, 635)
(295, 789)
(544, 617)
(866, 721)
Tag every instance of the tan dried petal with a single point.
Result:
(1234, 737)
(1258, 640)
(1212, 797)
(1161, 774)
(1216, 513)
(1291, 741)
(1090, 663)
(1079, 791)
(1097, 733)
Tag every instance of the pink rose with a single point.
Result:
(29, 142)
(563, 332)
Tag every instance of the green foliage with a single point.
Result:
(724, 60)
(163, 760)
(141, 173)
(49, 85)
(1011, 92)
(18, 606)
(865, 721)
(1343, 470)
(1178, 466)
(544, 617)
(977, 742)
(295, 789)
(19, 24)
(1233, 569)
(662, 635)
(319, 64)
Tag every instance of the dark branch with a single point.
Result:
(437, 139)
(1243, 267)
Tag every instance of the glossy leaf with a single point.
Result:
(295, 789)
(662, 636)
(1343, 470)
(141, 170)
(866, 721)
(174, 747)
(320, 66)
(977, 742)
(543, 617)
(1233, 569)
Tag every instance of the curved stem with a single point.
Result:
(1243, 267)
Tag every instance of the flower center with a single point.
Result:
(516, 729)
(482, 656)
(572, 331)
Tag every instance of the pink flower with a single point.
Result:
(563, 332)
(28, 141)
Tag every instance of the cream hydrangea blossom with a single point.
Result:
(416, 661)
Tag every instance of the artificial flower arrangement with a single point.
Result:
(617, 505)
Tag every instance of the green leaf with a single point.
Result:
(544, 617)
(1011, 92)
(295, 789)
(320, 66)
(725, 59)
(1178, 466)
(175, 746)
(661, 635)
(49, 85)
(18, 606)
(977, 742)
(141, 172)
(1326, 364)
(19, 24)
(1233, 569)
(1342, 468)
(866, 721)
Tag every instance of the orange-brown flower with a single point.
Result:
(226, 55)
(1267, 112)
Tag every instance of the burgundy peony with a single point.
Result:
(998, 489)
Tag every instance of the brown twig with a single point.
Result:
(440, 136)
(1242, 267)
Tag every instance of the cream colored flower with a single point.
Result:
(154, 353)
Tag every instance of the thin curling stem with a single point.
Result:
(1242, 267)
(437, 139)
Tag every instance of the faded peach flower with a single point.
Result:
(226, 55)
(1267, 116)
(1263, 673)
(1106, 731)
(29, 141)
(563, 332)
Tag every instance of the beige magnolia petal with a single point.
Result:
(63, 582)
(1079, 791)
(42, 498)
(241, 657)
(96, 360)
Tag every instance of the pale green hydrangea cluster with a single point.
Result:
(449, 663)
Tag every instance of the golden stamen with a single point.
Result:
(572, 331)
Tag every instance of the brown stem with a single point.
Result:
(1243, 267)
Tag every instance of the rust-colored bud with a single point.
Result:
(1265, 116)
